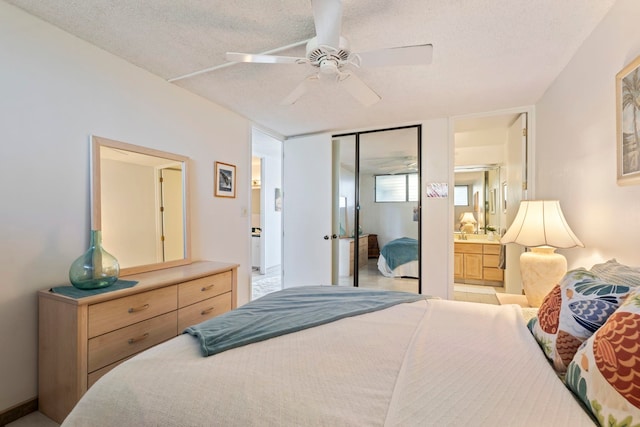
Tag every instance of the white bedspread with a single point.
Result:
(432, 362)
(408, 269)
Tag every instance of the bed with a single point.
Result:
(399, 258)
(416, 361)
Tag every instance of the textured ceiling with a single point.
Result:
(487, 54)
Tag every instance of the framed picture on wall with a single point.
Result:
(224, 180)
(628, 123)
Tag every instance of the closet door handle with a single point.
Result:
(334, 236)
(326, 237)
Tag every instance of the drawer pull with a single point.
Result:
(138, 339)
(206, 311)
(136, 309)
(206, 288)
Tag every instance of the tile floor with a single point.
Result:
(370, 277)
(34, 419)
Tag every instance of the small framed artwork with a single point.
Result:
(438, 190)
(225, 180)
(628, 123)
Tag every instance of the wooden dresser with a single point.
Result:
(82, 339)
(374, 250)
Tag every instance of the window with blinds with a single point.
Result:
(396, 188)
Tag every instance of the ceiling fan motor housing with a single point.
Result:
(327, 58)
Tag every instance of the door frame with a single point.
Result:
(356, 224)
(528, 164)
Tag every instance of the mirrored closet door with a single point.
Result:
(378, 206)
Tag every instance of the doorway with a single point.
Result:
(378, 207)
(266, 215)
(492, 162)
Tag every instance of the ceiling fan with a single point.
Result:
(328, 52)
(390, 165)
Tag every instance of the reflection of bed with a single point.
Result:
(399, 258)
(428, 362)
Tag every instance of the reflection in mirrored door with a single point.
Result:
(346, 147)
(380, 184)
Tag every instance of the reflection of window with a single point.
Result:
(461, 195)
(397, 188)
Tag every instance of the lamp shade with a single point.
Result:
(468, 217)
(541, 223)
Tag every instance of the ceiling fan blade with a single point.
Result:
(300, 90)
(358, 89)
(406, 55)
(327, 16)
(264, 59)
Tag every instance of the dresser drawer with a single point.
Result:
(491, 249)
(203, 310)
(494, 274)
(206, 287)
(468, 248)
(109, 348)
(97, 374)
(491, 260)
(118, 313)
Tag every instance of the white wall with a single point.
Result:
(480, 147)
(56, 90)
(437, 213)
(576, 144)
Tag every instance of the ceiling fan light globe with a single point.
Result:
(329, 66)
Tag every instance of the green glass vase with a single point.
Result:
(96, 268)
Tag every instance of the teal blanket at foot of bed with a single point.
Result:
(400, 251)
(291, 310)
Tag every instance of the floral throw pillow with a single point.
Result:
(605, 372)
(572, 312)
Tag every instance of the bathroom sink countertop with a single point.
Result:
(473, 238)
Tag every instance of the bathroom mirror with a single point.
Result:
(484, 196)
(140, 203)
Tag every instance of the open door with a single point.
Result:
(309, 235)
(515, 190)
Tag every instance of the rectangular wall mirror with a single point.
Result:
(140, 203)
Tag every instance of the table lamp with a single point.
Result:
(468, 223)
(540, 225)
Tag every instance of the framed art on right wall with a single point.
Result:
(628, 123)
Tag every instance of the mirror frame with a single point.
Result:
(96, 202)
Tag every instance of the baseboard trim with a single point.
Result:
(18, 411)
